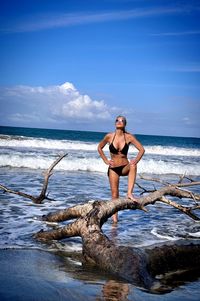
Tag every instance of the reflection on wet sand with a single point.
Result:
(114, 291)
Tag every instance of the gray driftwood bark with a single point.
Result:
(139, 266)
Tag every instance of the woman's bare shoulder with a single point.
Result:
(109, 136)
(130, 136)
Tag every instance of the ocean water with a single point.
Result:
(35, 148)
(80, 177)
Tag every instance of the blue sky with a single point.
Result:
(77, 64)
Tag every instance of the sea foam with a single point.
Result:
(93, 164)
(42, 143)
(39, 153)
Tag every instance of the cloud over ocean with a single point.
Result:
(53, 106)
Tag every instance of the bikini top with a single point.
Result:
(115, 151)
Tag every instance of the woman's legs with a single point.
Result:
(131, 181)
(114, 186)
(131, 171)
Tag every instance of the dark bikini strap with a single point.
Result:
(115, 135)
(125, 137)
(113, 138)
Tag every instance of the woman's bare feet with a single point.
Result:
(131, 197)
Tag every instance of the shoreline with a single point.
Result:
(32, 274)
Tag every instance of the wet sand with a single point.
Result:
(32, 274)
(37, 275)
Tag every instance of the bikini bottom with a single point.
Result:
(117, 170)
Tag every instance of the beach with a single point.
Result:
(31, 270)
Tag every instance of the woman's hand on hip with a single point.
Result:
(110, 163)
(133, 162)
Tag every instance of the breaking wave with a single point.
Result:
(39, 153)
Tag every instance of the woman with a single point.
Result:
(119, 165)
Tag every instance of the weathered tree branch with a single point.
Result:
(70, 230)
(187, 211)
(42, 195)
(103, 210)
(179, 184)
(47, 175)
(135, 265)
(25, 195)
(69, 213)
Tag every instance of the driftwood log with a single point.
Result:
(43, 195)
(135, 265)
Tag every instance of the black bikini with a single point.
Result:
(124, 151)
(115, 151)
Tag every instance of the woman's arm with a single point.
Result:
(140, 148)
(100, 149)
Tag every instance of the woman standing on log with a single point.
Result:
(119, 165)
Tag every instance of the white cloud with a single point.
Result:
(82, 106)
(191, 67)
(186, 120)
(17, 117)
(177, 33)
(55, 105)
(76, 105)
